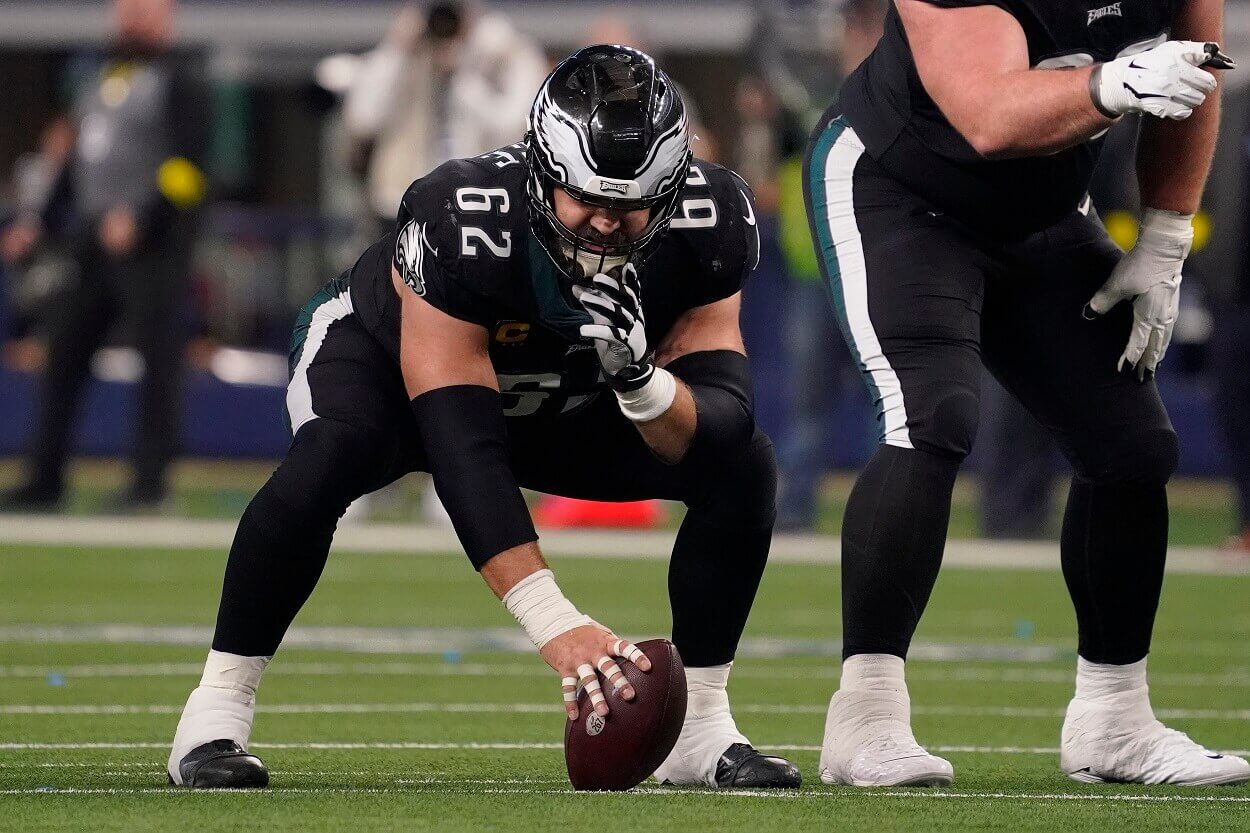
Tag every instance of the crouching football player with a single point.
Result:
(560, 314)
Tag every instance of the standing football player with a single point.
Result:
(562, 315)
(947, 193)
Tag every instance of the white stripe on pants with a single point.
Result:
(298, 393)
(852, 285)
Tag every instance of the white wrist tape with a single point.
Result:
(652, 399)
(542, 609)
(1166, 233)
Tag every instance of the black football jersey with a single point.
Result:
(463, 242)
(906, 133)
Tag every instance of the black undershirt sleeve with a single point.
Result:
(466, 444)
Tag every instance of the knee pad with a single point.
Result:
(329, 464)
(1148, 457)
(947, 427)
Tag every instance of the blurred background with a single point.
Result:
(177, 179)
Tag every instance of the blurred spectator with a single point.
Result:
(452, 82)
(130, 183)
(34, 270)
(816, 355)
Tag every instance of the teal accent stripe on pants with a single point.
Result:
(850, 308)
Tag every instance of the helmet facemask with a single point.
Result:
(608, 128)
(580, 257)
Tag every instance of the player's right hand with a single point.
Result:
(1164, 81)
(619, 329)
(584, 654)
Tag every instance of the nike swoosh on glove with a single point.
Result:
(1149, 274)
(1164, 81)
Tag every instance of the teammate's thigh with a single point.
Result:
(906, 285)
(1063, 367)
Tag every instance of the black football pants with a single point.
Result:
(923, 302)
(355, 433)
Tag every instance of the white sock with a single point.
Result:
(1097, 680)
(873, 672)
(221, 707)
(709, 729)
(706, 690)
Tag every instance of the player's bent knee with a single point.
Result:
(328, 466)
(1148, 457)
(949, 427)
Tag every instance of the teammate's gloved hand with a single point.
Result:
(619, 329)
(1164, 81)
(582, 655)
(1150, 274)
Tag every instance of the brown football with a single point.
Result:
(620, 751)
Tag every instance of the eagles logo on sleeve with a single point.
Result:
(410, 247)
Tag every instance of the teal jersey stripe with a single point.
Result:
(818, 216)
(303, 320)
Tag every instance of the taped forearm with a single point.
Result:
(466, 444)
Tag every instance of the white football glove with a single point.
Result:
(1164, 81)
(619, 329)
(1150, 274)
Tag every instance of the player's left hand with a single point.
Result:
(619, 329)
(1150, 275)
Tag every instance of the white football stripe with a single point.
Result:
(682, 792)
(595, 689)
(419, 746)
(916, 671)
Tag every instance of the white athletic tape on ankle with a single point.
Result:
(233, 671)
(540, 607)
(652, 399)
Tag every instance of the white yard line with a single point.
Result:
(464, 747)
(421, 640)
(176, 533)
(553, 708)
(778, 795)
(916, 671)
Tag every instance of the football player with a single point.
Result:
(947, 191)
(560, 314)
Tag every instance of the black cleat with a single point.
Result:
(222, 765)
(743, 766)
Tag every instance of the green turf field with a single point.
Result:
(467, 739)
(1202, 510)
